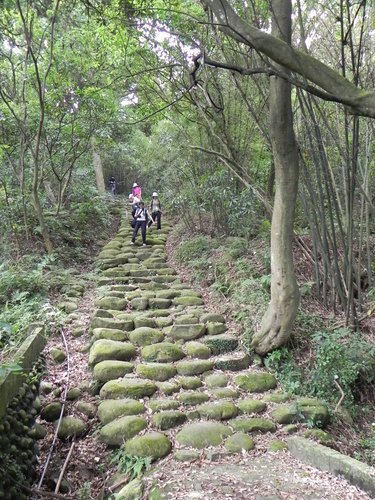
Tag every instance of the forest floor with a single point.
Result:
(213, 474)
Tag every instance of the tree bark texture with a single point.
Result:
(97, 161)
(279, 318)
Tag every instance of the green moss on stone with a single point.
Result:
(163, 352)
(285, 414)
(154, 445)
(187, 331)
(219, 410)
(202, 434)
(192, 397)
(255, 382)
(111, 370)
(146, 336)
(70, 427)
(168, 387)
(197, 350)
(216, 380)
(156, 371)
(224, 393)
(194, 367)
(127, 388)
(253, 425)
(105, 349)
(239, 442)
(113, 408)
(220, 344)
(110, 334)
(123, 428)
(277, 445)
(251, 406)
(189, 382)
(168, 419)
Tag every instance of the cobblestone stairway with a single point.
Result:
(170, 377)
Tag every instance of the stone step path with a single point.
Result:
(171, 379)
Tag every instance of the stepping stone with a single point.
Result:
(120, 430)
(159, 303)
(187, 331)
(220, 344)
(168, 387)
(163, 322)
(224, 393)
(219, 410)
(156, 371)
(216, 328)
(140, 322)
(109, 334)
(251, 406)
(145, 336)
(102, 322)
(168, 419)
(186, 455)
(276, 397)
(253, 425)
(202, 434)
(197, 350)
(194, 367)
(313, 411)
(163, 352)
(239, 442)
(152, 444)
(163, 404)
(111, 409)
(166, 294)
(103, 349)
(190, 382)
(186, 319)
(286, 414)
(127, 388)
(111, 369)
(235, 361)
(192, 397)
(70, 427)
(212, 317)
(255, 381)
(112, 303)
(188, 301)
(216, 380)
(139, 304)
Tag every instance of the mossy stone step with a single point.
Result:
(110, 409)
(197, 350)
(187, 331)
(255, 381)
(104, 349)
(194, 367)
(313, 411)
(235, 361)
(168, 419)
(127, 388)
(251, 406)
(71, 427)
(202, 434)
(109, 334)
(212, 318)
(190, 382)
(123, 428)
(218, 410)
(253, 425)
(192, 398)
(188, 300)
(143, 321)
(139, 304)
(166, 294)
(216, 380)
(156, 371)
(186, 319)
(158, 303)
(224, 393)
(111, 370)
(285, 414)
(220, 344)
(163, 352)
(110, 322)
(112, 303)
(215, 328)
(146, 336)
(239, 442)
(153, 444)
(163, 404)
(168, 387)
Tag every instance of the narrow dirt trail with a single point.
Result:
(168, 381)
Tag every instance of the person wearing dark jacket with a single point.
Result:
(156, 212)
(140, 217)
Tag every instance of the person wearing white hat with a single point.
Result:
(137, 191)
(156, 212)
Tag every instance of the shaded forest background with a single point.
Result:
(155, 92)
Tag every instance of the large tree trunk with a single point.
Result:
(97, 161)
(280, 315)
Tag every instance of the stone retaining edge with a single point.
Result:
(327, 459)
(25, 356)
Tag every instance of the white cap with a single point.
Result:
(154, 194)
(135, 185)
(136, 200)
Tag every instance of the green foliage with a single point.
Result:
(129, 464)
(286, 370)
(84, 493)
(193, 249)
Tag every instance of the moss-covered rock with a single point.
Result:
(186, 455)
(290, 428)
(212, 318)
(168, 387)
(127, 388)
(78, 332)
(321, 436)
(123, 428)
(70, 427)
(168, 419)
(166, 294)
(216, 380)
(253, 425)
(224, 393)
(251, 406)
(114, 408)
(189, 382)
(239, 442)
(235, 361)
(277, 445)
(143, 321)
(286, 414)
(111, 303)
(156, 371)
(276, 397)
(163, 404)
(163, 352)
(188, 300)
(194, 367)
(255, 382)
(146, 336)
(132, 491)
(219, 410)
(110, 322)
(88, 409)
(215, 328)
(197, 350)
(139, 304)
(153, 444)
(202, 434)
(159, 303)
(187, 331)
(73, 394)
(313, 411)
(109, 334)
(58, 355)
(186, 319)
(105, 349)
(51, 411)
(220, 344)
(192, 397)
(38, 432)
(68, 306)
(111, 370)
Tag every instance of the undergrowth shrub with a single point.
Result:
(193, 249)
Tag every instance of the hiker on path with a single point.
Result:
(112, 185)
(156, 212)
(137, 191)
(140, 217)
